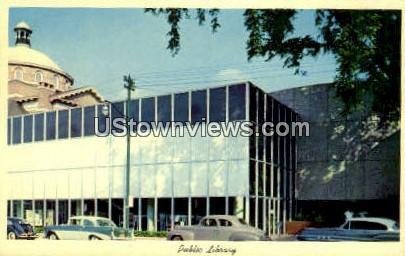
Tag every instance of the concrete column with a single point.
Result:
(57, 212)
(109, 208)
(69, 208)
(238, 206)
(82, 206)
(139, 214)
(33, 212)
(155, 214)
(189, 212)
(95, 207)
(44, 213)
(172, 213)
(207, 209)
(150, 214)
(247, 209)
(11, 208)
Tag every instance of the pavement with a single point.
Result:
(283, 238)
(273, 238)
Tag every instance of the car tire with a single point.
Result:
(52, 236)
(92, 238)
(177, 238)
(11, 235)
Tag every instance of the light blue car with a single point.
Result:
(355, 229)
(87, 228)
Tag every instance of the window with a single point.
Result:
(198, 106)
(88, 223)
(63, 122)
(181, 107)
(210, 223)
(75, 222)
(16, 130)
(76, 122)
(237, 102)
(56, 81)
(367, 225)
(117, 111)
(105, 223)
(102, 117)
(269, 118)
(225, 223)
(38, 77)
(50, 125)
(18, 74)
(8, 131)
(39, 127)
(89, 113)
(276, 139)
(134, 110)
(217, 104)
(164, 111)
(148, 110)
(28, 128)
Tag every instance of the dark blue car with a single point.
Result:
(19, 229)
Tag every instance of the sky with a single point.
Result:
(99, 46)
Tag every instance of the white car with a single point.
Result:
(218, 228)
(87, 228)
(355, 229)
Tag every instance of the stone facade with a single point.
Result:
(37, 84)
(27, 74)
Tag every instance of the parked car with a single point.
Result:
(19, 229)
(218, 228)
(355, 229)
(87, 228)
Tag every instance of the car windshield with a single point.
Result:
(21, 222)
(105, 223)
(242, 221)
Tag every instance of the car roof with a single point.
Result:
(14, 218)
(384, 221)
(88, 217)
(219, 216)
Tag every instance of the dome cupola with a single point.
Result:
(23, 34)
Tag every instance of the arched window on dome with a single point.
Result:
(56, 81)
(18, 74)
(38, 77)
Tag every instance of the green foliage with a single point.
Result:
(174, 17)
(150, 233)
(366, 44)
(38, 229)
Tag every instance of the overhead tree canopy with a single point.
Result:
(366, 45)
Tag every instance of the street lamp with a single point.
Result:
(130, 86)
(105, 110)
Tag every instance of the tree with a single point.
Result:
(366, 44)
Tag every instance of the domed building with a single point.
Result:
(36, 83)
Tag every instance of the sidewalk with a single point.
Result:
(283, 238)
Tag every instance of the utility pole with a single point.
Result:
(130, 86)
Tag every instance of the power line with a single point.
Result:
(220, 66)
(192, 84)
(258, 67)
(198, 72)
(179, 81)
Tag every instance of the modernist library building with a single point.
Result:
(66, 170)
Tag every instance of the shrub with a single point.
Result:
(150, 233)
